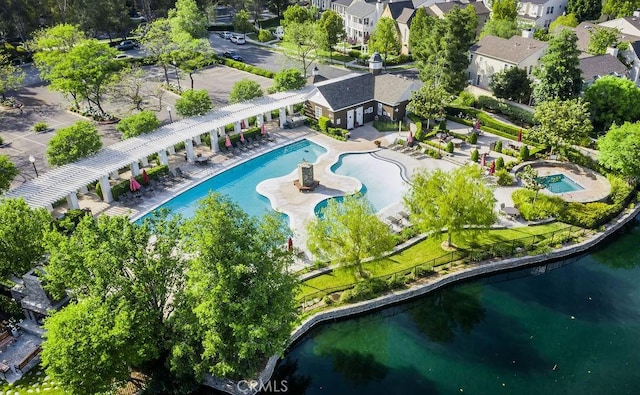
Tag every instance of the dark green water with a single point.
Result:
(574, 329)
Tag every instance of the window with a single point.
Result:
(470, 57)
(506, 66)
(318, 112)
(338, 121)
(552, 9)
(366, 21)
(478, 79)
(548, 9)
(547, 23)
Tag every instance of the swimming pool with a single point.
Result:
(559, 183)
(382, 184)
(240, 182)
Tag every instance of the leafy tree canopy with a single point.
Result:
(244, 90)
(450, 200)
(420, 26)
(504, 9)
(501, 28)
(8, 171)
(585, 10)
(620, 8)
(332, 27)
(188, 18)
(347, 232)
(242, 23)
(559, 75)
(511, 84)
(618, 150)
(297, 14)
(72, 143)
(613, 100)
(287, 80)
(601, 38)
(143, 122)
(561, 123)
(568, 20)
(10, 76)
(429, 102)
(21, 236)
(193, 102)
(384, 38)
(306, 38)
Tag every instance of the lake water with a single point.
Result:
(567, 328)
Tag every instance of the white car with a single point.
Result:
(226, 35)
(237, 39)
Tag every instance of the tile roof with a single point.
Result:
(514, 50)
(345, 3)
(345, 91)
(406, 16)
(360, 9)
(397, 7)
(392, 90)
(601, 65)
(479, 6)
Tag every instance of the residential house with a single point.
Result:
(354, 99)
(321, 4)
(629, 28)
(360, 18)
(402, 13)
(539, 13)
(340, 7)
(493, 54)
(596, 66)
(441, 9)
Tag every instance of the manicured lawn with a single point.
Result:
(424, 252)
(35, 381)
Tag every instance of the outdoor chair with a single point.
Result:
(262, 140)
(416, 150)
(245, 145)
(124, 200)
(241, 147)
(253, 143)
(132, 196)
(155, 184)
(172, 177)
(181, 174)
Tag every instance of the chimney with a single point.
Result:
(375, 64)
(612, 51)
(527, 33)
(636, 13)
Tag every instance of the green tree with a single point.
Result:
(127, 278)
(585, 10)
(72, 143)
(297, 14)
(240, 291)
(504, 9)
(511, 84)
(618, 150)
(134, 125)
(305, 38)
(429, 102)
(10, 76)
(568, 20)
(277, 6)
(561, 123)
(384, 38)
(451, 200)
(192, 54)
(601, 38)
(559, 75)
(530, 178)
(193, 102)
(161, 41)
(188, 18)
(348, 232)
(8, 171)
(503, 22)
(244, 90)
(420, 26)
(21, 236)
(612, 100)
(287, 80)
(332, 29)
(620, 8)
(242, 23)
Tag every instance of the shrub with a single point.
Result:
(338, 133)
(420, 134)
(122, 187)
(464, 99)
(498, 147)
(620, 189)
(504, 178)
(589, 215)
(509, 165)
(265, 35)
(40, 127)
(499, 163)
(323, 124)
(475, 155)
(450, 147)
(545, 206)
(134, 125)
(473, 138)
(524, 153)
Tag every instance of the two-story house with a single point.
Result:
(360, 18)
(441, 9)
(493, 54)
(539, 13)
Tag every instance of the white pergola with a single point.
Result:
(68, 180)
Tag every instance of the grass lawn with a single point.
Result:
(424, 252)
(35, 381)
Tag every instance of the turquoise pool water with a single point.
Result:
(562, 328)
(382, 184)
(559, 183)
(240, 182)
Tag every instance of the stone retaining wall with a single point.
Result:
(413, 292)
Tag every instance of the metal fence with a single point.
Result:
(476, 255)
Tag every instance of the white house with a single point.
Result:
(539, 13)
(493, 54)
(321, 4)
(360, 19)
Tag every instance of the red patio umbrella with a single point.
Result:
(492, 169)
(134, 185)
(242, 124)
(242, 137)
(264, 129)
(520, 135)
(477, 124)
(410, 139)
(483, 160)
(227, 143)
(145, 176)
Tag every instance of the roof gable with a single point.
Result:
(601, 65)
(396, 8)
(406, 16)
(342, 92)
(360, 9)
(392, 90)
(514, 50)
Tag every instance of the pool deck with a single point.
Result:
(285, 197)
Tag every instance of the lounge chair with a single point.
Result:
(416, 150)
(246, 145)
(241, 147)
(132, 196)
(253, 143)
(124, 200)
(269, 137)
(155, 184)
(181, 174)
(262, 139)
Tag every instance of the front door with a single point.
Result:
(359, 116)
(350, 119)
(379, 109)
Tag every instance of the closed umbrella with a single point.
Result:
(520, 135)
(483, 160)
(242, 125)
(227, 143)
(477, 124)
(241, 137)
(492, 169)
(145, 177)
(410, 139)
(134, 185)
(264, 129)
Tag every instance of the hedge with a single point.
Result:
(235, 138)
(248, 68)
(123, 187)
(515, 114)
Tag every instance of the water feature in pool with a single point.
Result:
(537, 331)
(240, 182)
(559, 183)
(382, 183)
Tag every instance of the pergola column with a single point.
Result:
(135, 169)
(83, 190)
(114, 175)
(72, 200)
(259, 120)
(145, 161)
(171, 149)
(213, 134)
(191, 155)
(164, 160)
(290, 109)
(49, 207)
(107, 196)
(237, 127)
(197, 140)
(283, 117)
(268, 116)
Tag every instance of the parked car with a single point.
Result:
(234, 56)
(279, 32)
(122, 56)
(239, 40)
(127, 45)
(225, 35)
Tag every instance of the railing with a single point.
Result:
(476, 255)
